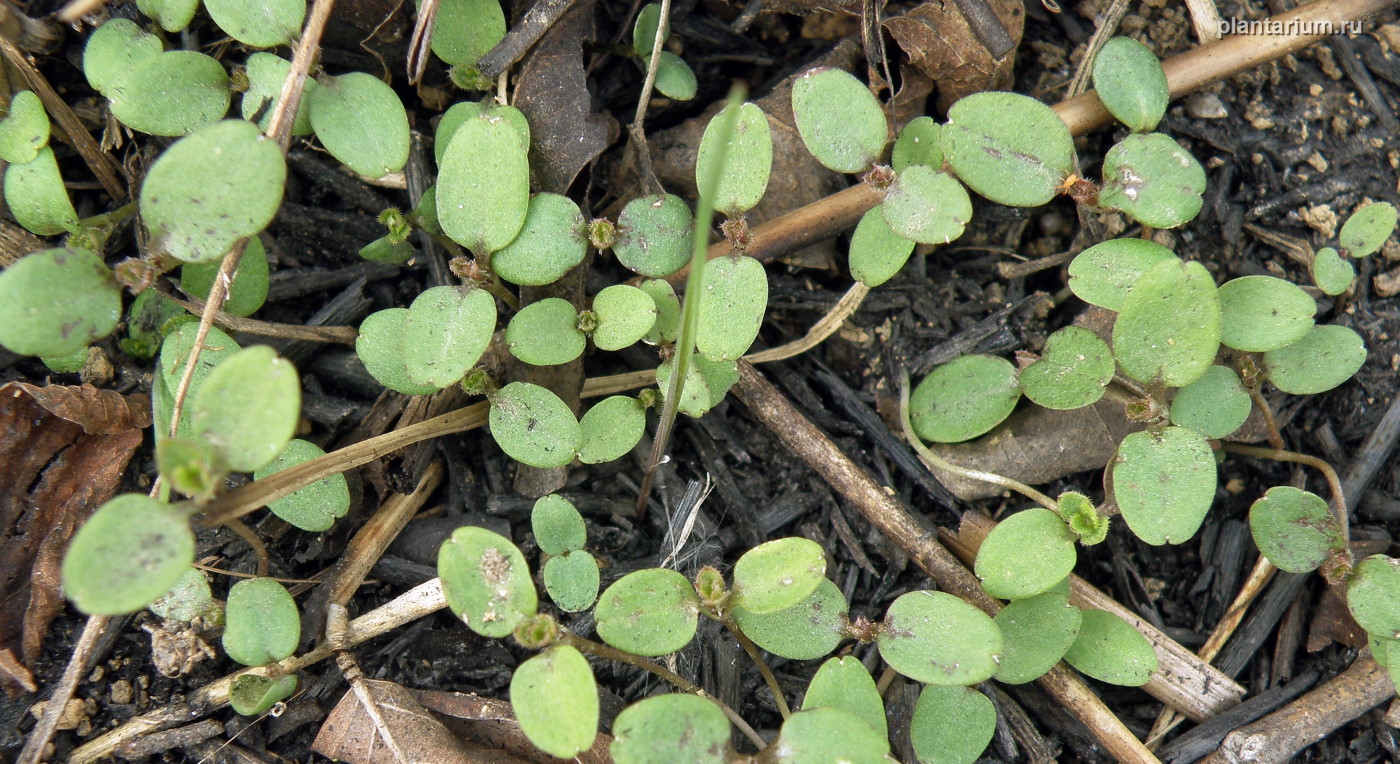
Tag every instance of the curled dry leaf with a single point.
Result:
(62, 454)
(942, 44)
(566, 133)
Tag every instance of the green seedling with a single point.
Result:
(57, 302)
(361, 122)
(35, 194)
(24, 131)
(265, 73)
(1111, 650)
(462, 33)
(262, 622)
(246, 292)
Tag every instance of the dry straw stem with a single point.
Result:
(1187, 72)
(1183, 681)
(879, 506)
(1280, 735)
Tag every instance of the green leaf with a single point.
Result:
(460, 112)
(380, 348)
(361, 122)
(1164, 483)
(113, 51)
(153, 543)
(670, 728)
(37, 198)
(555, 699)
(611, 429)
(258, 23)
(1038, 632)
(1214, 405)
(696, 397)
(25, 130)
(486, 581)
(1262, 313)
(57, 301)
(552, 240)
(1008, 147)
(173, 356)
(212, 188)
(1110, 650)
(1325, 357)
(247, 291)
(625, 314)
(172, 15)
(1169, 327)
(778, 574)
(1153, 180)
(67, 364)
(926, 206)
(266, 74)
(483, 187)
(844, 683)
(1130, 82)
(810, 629)
(150, 316)
(1331, 273)
(877, 252)
(936, 638)
(466, 29)
(674, 77)
(254, 695)
(172, 93)
(951, 725)
(1381, 648)
(557, 525)
(533, 426)
(829, 736)
(1082, 517)
(964, 398)
(546, 333)
(840, 122)
(644, 30)
(191, 466)
(189, 599)
(732, 307)
(1294, 529)
(386, 250)
(1374, 596)
(1102, 274)
(572, 580)
(750, 160)
(1026, 554)
(653, 235)
(1072, 372)
(445, 333)
(316, 507)
(648, 612)
(263, 625)
(918, 143)
(1367, 229)
(668, 311)
(248, 408)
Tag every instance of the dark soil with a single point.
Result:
(1290, 149)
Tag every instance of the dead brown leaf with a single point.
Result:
(551, 90)
(939, 40)
(62, 453)
(349, 735)
(491, 722)
(1036, 445)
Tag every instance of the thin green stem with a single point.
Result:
(1334, 484)
(694, 288)
(585, 645)
(763, 670)
(935, 462)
